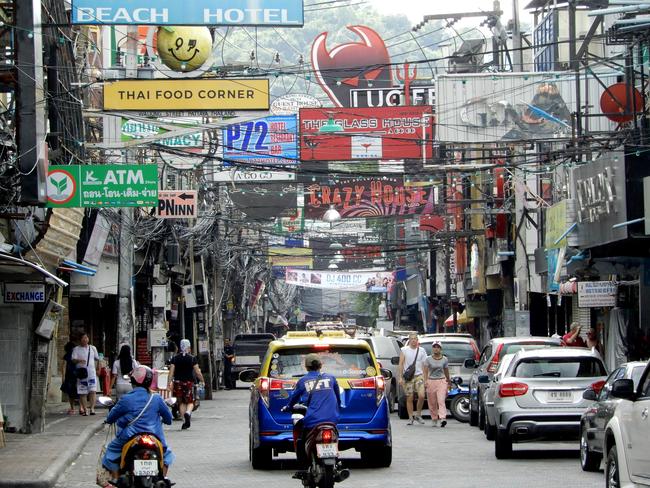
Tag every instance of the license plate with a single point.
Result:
(145, 467)
(327, 450)
(559, 396)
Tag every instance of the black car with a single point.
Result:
(594, 420)
(249, 352)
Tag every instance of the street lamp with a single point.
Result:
(333, 265)
(332, 215)
(330, 126)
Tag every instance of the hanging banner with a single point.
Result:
(269, 141)
(137, 129)
(278, 13)
(368, 197)
(103, 185)
(362, 281)
(596, 294)
(367, 133)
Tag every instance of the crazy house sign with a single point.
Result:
(368, 197)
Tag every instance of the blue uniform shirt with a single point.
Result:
(325, 401)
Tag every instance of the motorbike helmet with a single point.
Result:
(142, 376)
(313, 362)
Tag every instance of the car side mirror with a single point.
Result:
(248, 375)
(470, 363)
(483, 379)
(623, 388)
(589, 394)
(394, 360)
(386, 373)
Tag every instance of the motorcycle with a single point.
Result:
(141, 462)
(458, 400)
(321, 451)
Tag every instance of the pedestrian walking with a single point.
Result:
(411, 379)
(228, 358)
(182, 371)
(69, 384)
(436, 371)
(572, 338)
(85, 357)
(122, 366)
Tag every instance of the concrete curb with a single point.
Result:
(50, 476)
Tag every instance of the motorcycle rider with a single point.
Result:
(138, 411)
(320, 394)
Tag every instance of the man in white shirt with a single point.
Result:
(413, 354)
(85, 356)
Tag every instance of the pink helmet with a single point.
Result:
(142, 376)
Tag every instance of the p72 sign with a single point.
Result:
(271, 141)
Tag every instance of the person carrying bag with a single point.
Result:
(411, 378)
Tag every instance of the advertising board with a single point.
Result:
(292, 103)
(177, 204)
(368, 197)
(476, 108)
(392, 97)
(268, 141)
(183, 95)
(368, 133)
(596, 294)
(237, 175)
(279, 13)
(362, 281)
(137, 129)
(106, 185)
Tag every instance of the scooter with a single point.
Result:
(321, 451)
(458, 400)
(141, 463)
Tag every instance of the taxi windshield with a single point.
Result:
(341, 362)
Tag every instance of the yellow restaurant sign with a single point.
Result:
(187, 95)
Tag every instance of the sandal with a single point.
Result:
(92, 412)
(71, 411)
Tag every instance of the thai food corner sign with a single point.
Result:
(107, 185)
(279, 13)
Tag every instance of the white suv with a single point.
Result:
(627, 436)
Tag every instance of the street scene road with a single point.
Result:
(214, 453)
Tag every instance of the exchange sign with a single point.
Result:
(281, 13)
(107, 185)
(368, 133)
(181, 95)
(268, 141)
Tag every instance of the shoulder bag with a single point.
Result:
(82, 371)
(409, 372)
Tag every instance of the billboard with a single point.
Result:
(279, 13)
(105, 185)
(132, 129)
(391, 97)
(368, 133)
(195, 94)
(476, 108)
(368, 197)
(268, 141)
(362, 281)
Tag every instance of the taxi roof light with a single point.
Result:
(300, 334)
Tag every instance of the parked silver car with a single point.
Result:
(540, 397)
(594, 420)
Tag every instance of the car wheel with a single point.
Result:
(481, 416)
(377, 457)
(260, 457)
(612, 479)
(460, 408)
(502, 445)
(589, 460)
(490, 430)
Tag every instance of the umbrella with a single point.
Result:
(461, 318)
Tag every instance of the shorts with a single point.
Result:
(184, 391)
(415, 385)
(86, 386)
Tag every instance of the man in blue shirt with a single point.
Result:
(320, 393)
(137, 412)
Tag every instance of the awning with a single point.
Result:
(23, 262)
(461, 318)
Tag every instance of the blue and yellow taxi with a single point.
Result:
(364, 417)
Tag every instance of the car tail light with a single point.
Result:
(378, 383)
(266, 385)
(494, 364)
(512, 389)
(597, 386)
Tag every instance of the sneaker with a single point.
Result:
(419, 419)
(443, 423)
(188, 421)
(434, 423)
(410, 422)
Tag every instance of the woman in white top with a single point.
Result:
(122, 366)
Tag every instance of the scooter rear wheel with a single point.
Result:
(327, 479)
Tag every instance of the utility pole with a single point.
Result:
(518, 64)
(125, 325)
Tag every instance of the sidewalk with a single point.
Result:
(37, 460)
